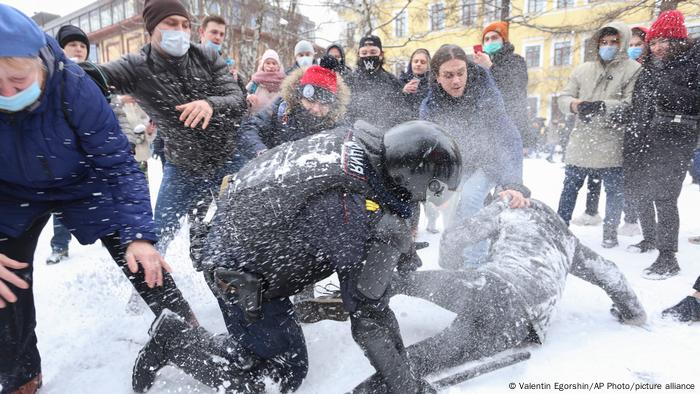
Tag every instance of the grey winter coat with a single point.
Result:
(160, 84)
(598, 144)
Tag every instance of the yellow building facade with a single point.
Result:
(552, 35)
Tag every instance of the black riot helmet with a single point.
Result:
(420, 157)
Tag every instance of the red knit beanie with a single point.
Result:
(670, 24)
(318, 84)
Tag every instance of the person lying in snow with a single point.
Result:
(510, 300)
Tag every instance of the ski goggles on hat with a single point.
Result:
(314, 93)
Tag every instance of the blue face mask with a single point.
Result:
(634, 52)
(210, 44)
(493, 47)
(175, 42)
(608, 52)
(22, 99)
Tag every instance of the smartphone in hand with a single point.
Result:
(478, 48)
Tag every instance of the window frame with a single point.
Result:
(554, 51)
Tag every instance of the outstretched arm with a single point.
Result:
(594, 268)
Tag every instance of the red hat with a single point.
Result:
(670, 24)
(499, 27)
(315, 81)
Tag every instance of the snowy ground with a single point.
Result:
(88, 341)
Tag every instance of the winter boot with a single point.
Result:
(609, 237)
(195, 352)
(629, 230)
(587, 220)
(324, 307)
(642, 247)
(686, 311)
(56, 257)
(664, 267)
(31, 387)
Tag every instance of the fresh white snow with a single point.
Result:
(89, 341)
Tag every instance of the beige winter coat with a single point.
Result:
(598, 144)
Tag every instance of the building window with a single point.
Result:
(118, 12)
(94, 20)
(85, 23)
(75, 22)
(437, 17)
(106, 16)
(493, 10)
(562, 53)
(535, 6)
(129, 9)
(469, 12)
(532, 56)
(214, 8)
(565, 4)
(533, 106)
(400, 24)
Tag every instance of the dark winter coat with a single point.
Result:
(414, 100)
(377, 99)
(67, 154)
(342, 68)
(286, 119)
(478, 121)
(160, 84)
(656, 149)
(509, 70)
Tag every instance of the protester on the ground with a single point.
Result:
(304, 56)
(416, 80)
(277, 230)
(311, 101)
(376, 94)
(661, 134)
(467, 103)
(337, 51)
(595, 89)
(188, 91)
(90, 180)
(265, 85)
(509, 70)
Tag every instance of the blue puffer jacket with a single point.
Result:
(79, 167)
(485, 134)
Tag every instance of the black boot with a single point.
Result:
(197, 353)
(642, 247)
(609, 237)
(664, 267)
(687, 310)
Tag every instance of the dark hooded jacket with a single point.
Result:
(477, 120)
(286, 119)
(509, 70)
(67, 154)
(342, 68)
(414, 100)
(376, 99)
(159, 84)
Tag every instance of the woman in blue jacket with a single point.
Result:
(62, 152)
(464, 100)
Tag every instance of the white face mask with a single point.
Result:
(175, 42)
(305, 61)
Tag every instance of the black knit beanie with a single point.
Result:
(155, 11)
(70, 33)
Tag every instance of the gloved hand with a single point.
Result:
(410, 262)
(588, 109)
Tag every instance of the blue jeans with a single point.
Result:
(61, 236)
(473, 191)
(181, 192)
(612, 181)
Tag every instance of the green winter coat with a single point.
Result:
(598, 144)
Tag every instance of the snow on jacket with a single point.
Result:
(532, 253)
(160, 84)
(509, 70)
(414, 100)
(478, 121)
(654, 143)
(598, 144)
(377, 99)
(67, 154)
(283, 121)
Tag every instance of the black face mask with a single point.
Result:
(369, 64)
(306, 119)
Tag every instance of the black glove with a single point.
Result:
(588, 109)
(98, 77)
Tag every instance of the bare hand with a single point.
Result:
(483, 59)
(574, 105)
(6, 295)
(411, 87)
(517, 200)
(252, 100)
(195, 112)
(142, 252)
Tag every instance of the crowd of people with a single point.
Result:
(320, 168)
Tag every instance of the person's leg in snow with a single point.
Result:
(688, 310)
(573, 181)
(59, 241)
(20, 362)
